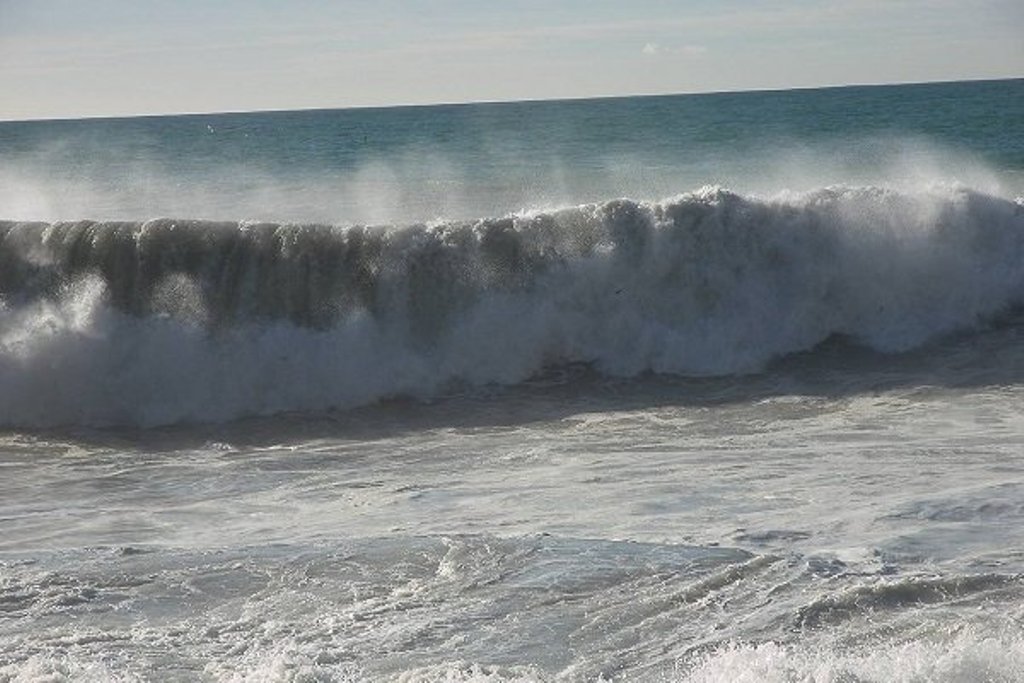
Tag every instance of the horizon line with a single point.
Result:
(468, 103)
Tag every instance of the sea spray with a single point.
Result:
(169, 320)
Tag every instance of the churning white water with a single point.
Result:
(759, 434)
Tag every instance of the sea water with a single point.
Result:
(721, 387)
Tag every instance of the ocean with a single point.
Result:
(697, 388)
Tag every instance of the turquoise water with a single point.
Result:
(411, 164)
(702, 388)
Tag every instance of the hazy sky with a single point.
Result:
(70, 58)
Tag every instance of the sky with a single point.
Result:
(70, 58)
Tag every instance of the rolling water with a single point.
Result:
(720, 387)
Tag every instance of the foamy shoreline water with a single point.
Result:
(520, 430)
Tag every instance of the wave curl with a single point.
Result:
(185, 320)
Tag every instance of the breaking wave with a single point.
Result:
(183, 320)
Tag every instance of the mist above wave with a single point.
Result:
(111, 179)
(168, 320)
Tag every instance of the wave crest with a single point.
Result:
(169, 320)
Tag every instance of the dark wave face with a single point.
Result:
(169, 320)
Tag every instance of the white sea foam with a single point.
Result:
(165, 321)
(965, 658)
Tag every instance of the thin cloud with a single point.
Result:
(686, 50)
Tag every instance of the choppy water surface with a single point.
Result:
(753, 434)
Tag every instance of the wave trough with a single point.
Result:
(171, 320)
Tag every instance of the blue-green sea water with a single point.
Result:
(415, 164)
(723, 387)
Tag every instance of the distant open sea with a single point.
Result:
(723, 387)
